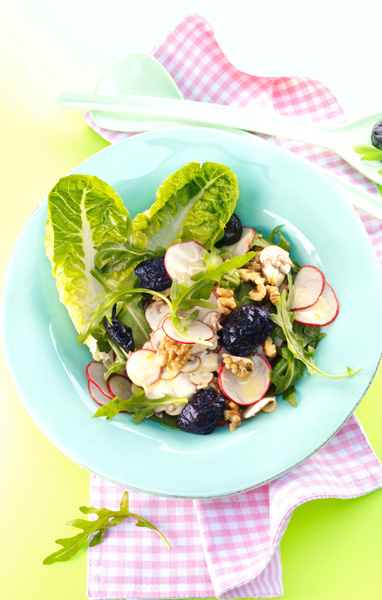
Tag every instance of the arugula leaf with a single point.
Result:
(284, 319)
(105, 519)
(139, 405)
(194, 203)
(286, 372)
(368, 152)
(290, 396)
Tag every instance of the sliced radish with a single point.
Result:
(183, 260)
(156, 312)
(249, 390)
(307, 288)
(97, 395)
(323, 312)
(244, 244)
(197, 331)
(96, 372)
(142, 367)
(120, 386)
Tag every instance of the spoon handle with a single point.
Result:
(201, 113)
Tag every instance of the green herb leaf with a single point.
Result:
(139, 405)
(284, 319)
(286, 372)
(105, 519)
(368, 152)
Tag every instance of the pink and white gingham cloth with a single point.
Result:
(229, 547)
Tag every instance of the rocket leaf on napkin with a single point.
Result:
(105, 519)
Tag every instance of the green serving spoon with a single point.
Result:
(138, 94)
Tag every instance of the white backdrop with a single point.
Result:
(74, 41)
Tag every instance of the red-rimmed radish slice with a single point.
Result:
(307, 288)
(97, 395)
(244, 244)
(142, 367)
(197, 331)
(249, 390)
(323, 312)
(120, 386)
(184, 260)
(96, 372)
(156, 312)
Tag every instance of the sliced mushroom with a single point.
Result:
(262, 404)
(182, 386)
(191, 365)
(155, 313)
(275, 264)
(201, 380)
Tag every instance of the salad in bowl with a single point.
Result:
(194, 319)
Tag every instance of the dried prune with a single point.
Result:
(232, 232)
(119, 333)
(202, 412)
(246, 328)
(376, 135)
(152, 274)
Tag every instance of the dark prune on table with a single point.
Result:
(246, 328)
(202, 412)
(152, 274)
(232, 232)
(376, 135)
(119, 333)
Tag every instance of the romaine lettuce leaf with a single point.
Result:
(194, 203)
(83, 212)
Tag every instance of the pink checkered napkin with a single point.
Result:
(229, 547)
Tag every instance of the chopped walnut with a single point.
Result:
(254, 265)
(259, 292)
(269, 347)
(226, 301)
(170, 352)
(273, 293)
(233, 414)
(240, 366)
(214, 383)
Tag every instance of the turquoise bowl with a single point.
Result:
(48, 366)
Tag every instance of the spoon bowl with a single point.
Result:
(137, 74)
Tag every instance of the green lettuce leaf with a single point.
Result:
(194, 203)
(83, 212)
